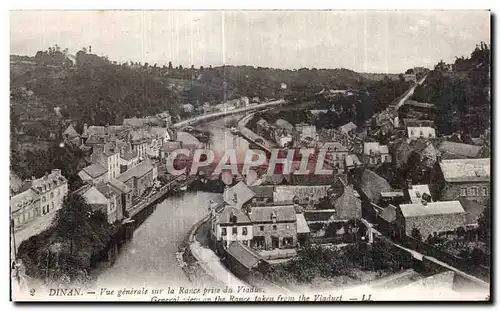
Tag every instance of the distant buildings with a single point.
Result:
(41, 196)
(421, 132)
(375, 154)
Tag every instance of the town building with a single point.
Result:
(242, 260)
(421, 132)
(347, 205)
(305, 133)
(464, 178)
(24, 207)
(375, 154)
(431, 218)
(52, 188)
(274, 227)
(352, 161)
(336, 154)
(124, 196)
(231, 225)
(419, 193)
(94, 174)
(262, 127)
(187, 108)
(410, 77)
(101, 198)
(70, 135)
(140, 178)
(348, 129)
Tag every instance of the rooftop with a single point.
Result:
(284, 124)
(431, 208)
(346, 128)
(23, 199)
(416, 192)
(137, 171)
(374, 147)
(95, 170)
(241, 192)
(243, 254)
(262, 191)
(119, 185)
(334, 146)
(414, 103)
(302, 226)
(473, 210)
(463, 150)
(230, 211)
(466, 170)
(265, 213)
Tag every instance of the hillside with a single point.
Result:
(461, 92)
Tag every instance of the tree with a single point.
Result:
(484, 227)
(415, 233)
(77, 223)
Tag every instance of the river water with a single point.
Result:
(149, 258)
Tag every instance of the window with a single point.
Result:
(475, 191)
(485, 191)
(224, 231)
(244, 231)
(463, 192)
(275, 227)
(261, 228)
(235, 230)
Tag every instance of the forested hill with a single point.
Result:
(461, 92)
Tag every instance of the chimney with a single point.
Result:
(106, 129)
(85, 127)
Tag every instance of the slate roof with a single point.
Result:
(372, 185)
(24, 198)
(137, 171)
(389, 213)
(334, 146)
(105, 190)
(263, 191)
(70, 131)
(241, 191)
(243, 254)
(283, 213)
(302, 226)
(432, 208)
(466, 170)
(352, 159)
(119, 185)
(462, 150)
(347, 205)
(414, 103)
(375, 147)
(129, 155)
(95, 170)
(284, 124)
(416, 192)
(228, 211)
(346, 128)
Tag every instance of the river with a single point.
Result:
(149, 258)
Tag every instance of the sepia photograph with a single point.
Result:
(285, 156)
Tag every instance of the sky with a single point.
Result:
(364, 41)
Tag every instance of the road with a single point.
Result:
(409, 93)
(227, 113)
